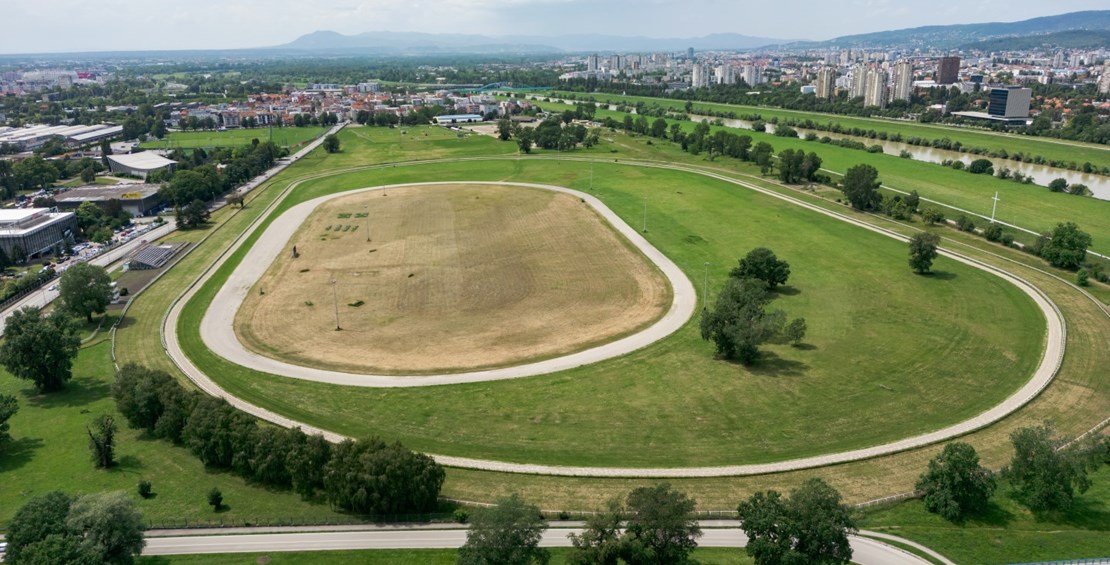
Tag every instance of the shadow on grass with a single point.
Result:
(1085, 513)
(18, 453)
(771, 365)
(994, 515)
(786, 290)
(805, 347)
(79, 391)
(129, 464)
(941, 275)
(126, 322)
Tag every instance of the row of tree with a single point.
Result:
(365, 476)
(82, 530)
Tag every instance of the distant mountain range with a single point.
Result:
(390, 42)
(951, 36)
(1071, 39)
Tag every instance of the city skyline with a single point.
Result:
(208, 24)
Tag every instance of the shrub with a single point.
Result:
(993, 232)
(1081, 277)
(461, 515)
(145, 489)
(215, 498)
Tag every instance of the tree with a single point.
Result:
(371, 477)
(795, 331)
(811, 526)
(8, 407)
(661, 527)
(738, 323)
(993, 232)
(861, 187)
(1067, 247)
(955, 485)
(102, 441)
(762, 264)
(39, 518)
(331, 143)
(1058, 185)
(1042, 476)
(761, 155)
(39, 349)
(600, 543)
(981, 167)
(215, 499)
(236, 199)
(109, 526)
(923, 249)
(524, 140)
(85, 289)
(507, 533)
(193, 215)
(504, 129)
(305, 461)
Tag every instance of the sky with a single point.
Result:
(51, 26)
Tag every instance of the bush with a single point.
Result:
(932, 215)
(461, 515)
(215, 498)
(1081, 277)
(145, 489)
(993, 232)
(965, 224)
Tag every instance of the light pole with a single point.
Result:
(591, 177)
(705, 288)
(335, 299)
(995, 207)
(367, 209)
(645, 214)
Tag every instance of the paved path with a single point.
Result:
(217, 329)
(865, 551)
(1050, 363)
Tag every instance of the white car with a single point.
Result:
(52, 288)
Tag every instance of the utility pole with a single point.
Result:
(335, 299)
(995, 207)
(591, 177)
(367, 209)
(645, 214)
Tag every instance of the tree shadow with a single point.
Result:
(941, 275)
(125, 322)
(79, 391)
(805, 347)
(223, 508)
(993, 515)
(787, 290)
(1084, 513)
(129, 464)
(18, 453)
(771, 365)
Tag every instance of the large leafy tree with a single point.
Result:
(1044, 477)
(36, 520)
(600, 542)
(8, 407)
(109, 526)
(861, 187)
(331, 143)
(1067, 247)
(507, 533)
(39, 348)
(738, 322)
(955, 485)
(85, 289)
(923, 250)
(811, 526)
(762, 264)
(661, 527)
(370, 476)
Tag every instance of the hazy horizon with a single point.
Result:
(115, 25)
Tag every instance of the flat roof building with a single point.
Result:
(135, 199)
(1010, 102)
(457, 119)
(27, 232)
(140, 164)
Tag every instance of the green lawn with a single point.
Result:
(1050, 148)
(1008, 532)
(285, 137)
(1028, 206)
(873, 355)
(705, 556)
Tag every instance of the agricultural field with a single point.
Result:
(283, 137)
(492, 275)
(1048, 147)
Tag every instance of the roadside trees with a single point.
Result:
(1067, 247)
(8, 407)
(39, 348)
(955, 485)
(923, 249)
(331, 143)
(507, 533)
(811, 526)
(57, 528)
(85, 290)
(1042, 476)
(861, 187)
(661, 527)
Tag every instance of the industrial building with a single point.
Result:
(457, 119)
(152, 256)
(135, 199)
(27, 232)
(33, 137)
(140, 164)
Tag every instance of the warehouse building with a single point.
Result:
(140, 164)
(135, 199)
(27, 232)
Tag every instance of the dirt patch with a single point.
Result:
(453, 278)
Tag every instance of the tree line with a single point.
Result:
(366, 476)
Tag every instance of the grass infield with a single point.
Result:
(283, 137)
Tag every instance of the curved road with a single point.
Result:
(1050, 363)
(865, 551)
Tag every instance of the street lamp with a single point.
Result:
(335, 299)
(367, 209)
(645, 214)
(705, 287)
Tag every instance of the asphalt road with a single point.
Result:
(864, 551)
(1050, 363)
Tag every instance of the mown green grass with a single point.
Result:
(1028, 206)
(234, 137)
(1050, 148)
(705, 556)
(875, 354)
(49, 451)
(1008, 532)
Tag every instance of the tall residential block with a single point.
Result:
(699, 76)
(876, 88)
(902, 80)
(1104, 80)
(826, 83)
(753, 75)
(948, 71)
(859, 81)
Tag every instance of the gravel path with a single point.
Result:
(1050, 363)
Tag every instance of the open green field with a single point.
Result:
(873, 353)
(704, 556)
(1028, 206)
(1050, 148)
(284, 137)
(1008, 532)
